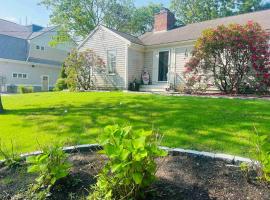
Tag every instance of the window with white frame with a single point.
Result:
(20, 75)
(111, 58)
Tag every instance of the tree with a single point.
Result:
(191, 11)
(81, 68)
(1, 105)
(233, 58)
(77, 18)
(143, 18)
(61, 83)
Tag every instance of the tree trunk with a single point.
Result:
(1, 105)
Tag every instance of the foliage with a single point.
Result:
(191, 11)
(25, 89)
(11, 158)
(61, 83)
(77, 18)
(81, 68)
(131, 166)
(234, 58)
(50, 166)
(263, 156)
(1, 105)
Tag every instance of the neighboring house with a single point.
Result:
(162, 53)
(27, 59)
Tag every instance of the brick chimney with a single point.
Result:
(164, 20)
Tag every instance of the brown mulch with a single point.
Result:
(179, 177)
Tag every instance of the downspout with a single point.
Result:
(126, 67)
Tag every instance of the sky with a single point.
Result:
(20, 11)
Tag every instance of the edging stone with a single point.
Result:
(172, 151)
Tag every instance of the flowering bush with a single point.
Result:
(234, 58)
(81, 68)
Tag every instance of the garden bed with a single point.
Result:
(181, 176)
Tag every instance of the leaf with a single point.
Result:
(115, 167)
(138, 143)
(137, 177)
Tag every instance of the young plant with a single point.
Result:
(50, 166)
(131, 163)
(263, 156)
(11, 158)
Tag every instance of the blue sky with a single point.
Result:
(18, 10)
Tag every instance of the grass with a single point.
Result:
(216, 125)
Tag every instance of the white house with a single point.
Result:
(27, 59)
(162, 53)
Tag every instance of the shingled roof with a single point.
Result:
(193, 31)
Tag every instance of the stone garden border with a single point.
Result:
(229, 159)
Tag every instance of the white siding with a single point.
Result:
(100, 42)
(57, 53)
(148, 62)
(182, 56)
(34, 73)
(135, 65)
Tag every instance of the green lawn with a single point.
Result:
(217, 125)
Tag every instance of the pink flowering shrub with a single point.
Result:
(233, 58)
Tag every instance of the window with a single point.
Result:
(20, 75)
(111, 55)
(42, 48)
(37, 47)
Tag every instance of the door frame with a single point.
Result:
(48, 82)
(156, 64)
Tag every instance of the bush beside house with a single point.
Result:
(233, 58)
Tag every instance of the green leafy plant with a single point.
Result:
(131, 166)
(50, 166)
(11, 157)
(263, 156)
(25, 89)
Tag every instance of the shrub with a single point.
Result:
(81, 67)
(26, 89)
(263, 156)
(131, 166)
(11, 158)
(60, 84)
(234, 58)
(50, 166)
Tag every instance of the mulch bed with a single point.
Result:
(179, 177)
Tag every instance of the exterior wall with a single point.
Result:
(182, 56)
(148, 63)
(179, 55)
(57, 53)
(13, 48)
(100, 42)
(135, 65)
(7, 68)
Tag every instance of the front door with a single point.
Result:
(163, 65)
(45, 83)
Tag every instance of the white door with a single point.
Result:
(161, 66)
(45, 83)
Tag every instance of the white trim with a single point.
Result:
(116, 35)
(107, 52)
(157, 63)
(87, 38)
(28, 63)
(106, 29)
(27, 75)
(42, 81)
(126, 67)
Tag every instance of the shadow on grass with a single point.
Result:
(199, 123)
